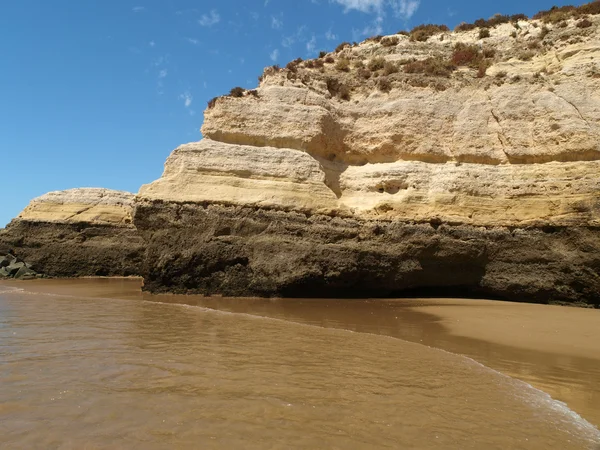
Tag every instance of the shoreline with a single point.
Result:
(552, 348)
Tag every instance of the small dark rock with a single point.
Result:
(7, 260)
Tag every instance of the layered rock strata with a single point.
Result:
(327, 182)
(78, 232)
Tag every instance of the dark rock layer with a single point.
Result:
(243, 251)
(74, 250)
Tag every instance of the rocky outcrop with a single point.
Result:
(375, 172)
(12, 267)
(78, 232)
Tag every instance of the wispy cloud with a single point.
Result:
(151, 43)
(138, 9)
(401, 8)
(276, 23)
(298, 36)
(210, 19)
(193, 41)
(362, 5)
(312, 44)
(163, 73)
(274, 55)
(187, 99)
(331, 36)
(405, 8)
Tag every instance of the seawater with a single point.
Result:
(103, 373)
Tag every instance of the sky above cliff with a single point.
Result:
(97, 94)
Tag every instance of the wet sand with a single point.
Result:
(555, 349)
(542, 328)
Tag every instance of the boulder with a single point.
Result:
(25, 273)
(7, 260)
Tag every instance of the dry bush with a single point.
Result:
(237, 92)
(418, 82)
(465, 26)
(342, 46)
(377, 38)
(484, 33)
(590, 8)
(253, 93)
(322, 54)
(309, 64)
(585, 23)
(376, 63)
(292, 66)
(466, 55)
(403, 33)
(329, 60)
(344, 92)
(526, 55)
(364, 73)
(319, 63)
(489, 52)
(384, 84)
(342, 64)
(435, 66)
(333, 85)
(212, 102)
(423, 32)
(358, 64)
(390, 41)
(389, 68)
(517, 17)
(555, 14)
(497, 19)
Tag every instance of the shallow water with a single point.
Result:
(118, 372)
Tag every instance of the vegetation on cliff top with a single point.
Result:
(349, 70)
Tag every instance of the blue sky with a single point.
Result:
(97, 93)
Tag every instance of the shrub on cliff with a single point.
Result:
(337, 88)
(484, 33)
(466, 55)
(343, 65)
(376, 64)
(384, 84)
(363, 73)
(212, 102)
(555, 14)
(435, 66)
(342, 46)
(389, 68)
(292, 66)
(585, 23)
(463, 26)
(590, 8)
(237, 92)
(421, 33)
(377, 38)
(390, 41)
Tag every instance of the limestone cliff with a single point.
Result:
(78, 232)
(458, 162)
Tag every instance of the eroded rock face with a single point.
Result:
(486, 184)
(78, 232)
